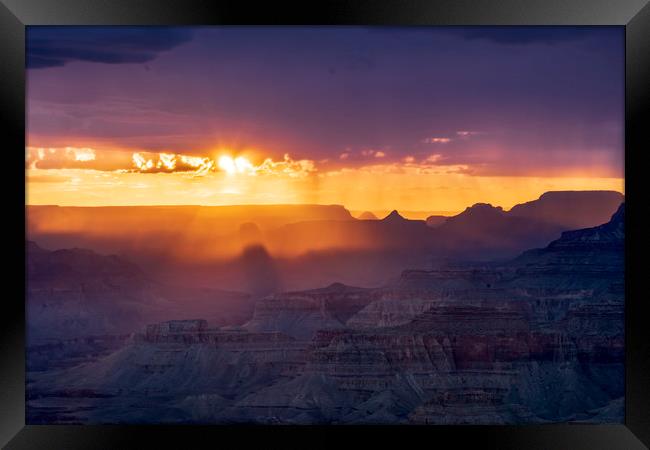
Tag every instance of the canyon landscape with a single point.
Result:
(534, 338)
(325, 225)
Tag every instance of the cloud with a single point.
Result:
(168, 163)
(524, 35)
(465, 133)
(149, 162)
(73, 158)
(288, 166)
(373, 153)
(41, 158)
(437, 140)
(144, 162)
(431, 164)
(57, 46)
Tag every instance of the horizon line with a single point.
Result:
(355, 210)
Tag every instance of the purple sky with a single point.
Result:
(536, 100)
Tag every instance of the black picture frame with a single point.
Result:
(634, 15)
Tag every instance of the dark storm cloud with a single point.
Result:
(57, 46)
(515, 35)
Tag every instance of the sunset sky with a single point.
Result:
(418, 119)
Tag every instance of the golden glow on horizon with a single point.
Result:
(357, 190)
(87, 177)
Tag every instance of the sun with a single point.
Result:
(227, 164)
(236, 165)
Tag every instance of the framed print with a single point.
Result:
(397, 219)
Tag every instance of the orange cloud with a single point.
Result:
(370, 152)
(433, 158)
(169, 162)
(288, 166)
(146, 162)
(437, 140)
(73, 158)
(199, 165)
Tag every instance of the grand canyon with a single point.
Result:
(437, 332)
(329, 225)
